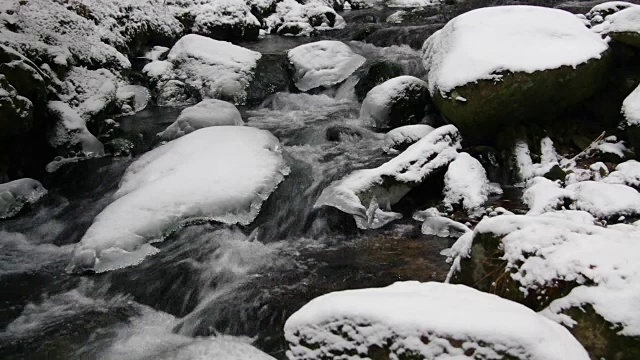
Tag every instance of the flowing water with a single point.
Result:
(210, 286)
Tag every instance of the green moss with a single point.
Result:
(630, 38)
(375, 74)
(489, 107)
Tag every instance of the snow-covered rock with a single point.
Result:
(323, 64)
(598, 13)
(70, 131)
(221, 173)
(206, 113)
(368, 194)
(466, 183)
(396, 102)
(217, 69)
(220, 19)
(302, 19)
(174, 93)
(482, 73)
(627, 173)
(402, 137)
(16, 194)
(132, 98)
(579, 274)
(623, 26)
(543, 195)
(424, 321)
(433, 223)
(605, 200)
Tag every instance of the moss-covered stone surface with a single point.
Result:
(628, 37)
(483, 109)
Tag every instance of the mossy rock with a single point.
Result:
(484, 108)
(375, 74)
(630, 38)
(485, 270)
(271, 75)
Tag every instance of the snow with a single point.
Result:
(291, 14)
(466, 183)
(605, 200)
(209, 14)
(323, 63)
(432, 320)
(221, 173)
(369, 193)
(543, 195)
(435, 224)
(14, 195)
(404, 136)
(567, 246)
(377, 104)
(70, 129)
(626, 20)
(136, 96)
(217, 69)
(631, 108)
(209, 112)
(627, 173)
(480, 44)
(411, 3)
(526, 168)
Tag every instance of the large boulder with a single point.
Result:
(564, 265)
(69, 134)
(293, 18)
(323, 64)
(435, 321)
(27, 78)
(221, 173)
(396, 102)
(485, 74)
(16, 194)
(216, 69)
(209, 112)
(374, 74)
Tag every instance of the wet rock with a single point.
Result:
(17, 111)
(374, 74)
(16, 194)
(343, 133)
(413, 36)
(28, 80)
(396, 102)
(271, 75)
(175, 93)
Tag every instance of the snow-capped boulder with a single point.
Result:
(293, 18)
(373, 74)
(598, 13)
(368, 194)
(525, 63)
(396, 102)
(627, 173)
(221, 19)
(622, 26)
(17, 111)
(206, 113)
(221, 173)
(631, 111)
(323, 64)
(604, 200)
(466, 183)
(25, 76)
(424, 321)
(402, 137)
(16, 194)
(70, 133)
(217, 69)
(581, 275)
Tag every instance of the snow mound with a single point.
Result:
(404, 136)
(543, 195)
(543, 250)
(206, 113)
(323, 63)
(627, 173)
(626, 20)
(466, 183)
(377, 105)
(14, 195)
(482, 43)
(221, 173)
(369, 193)
(428, 321)
(71, 130)
(605, 200)
(217, 69)
(631, 108)
(302, 19)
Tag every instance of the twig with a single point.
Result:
(583, 152)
